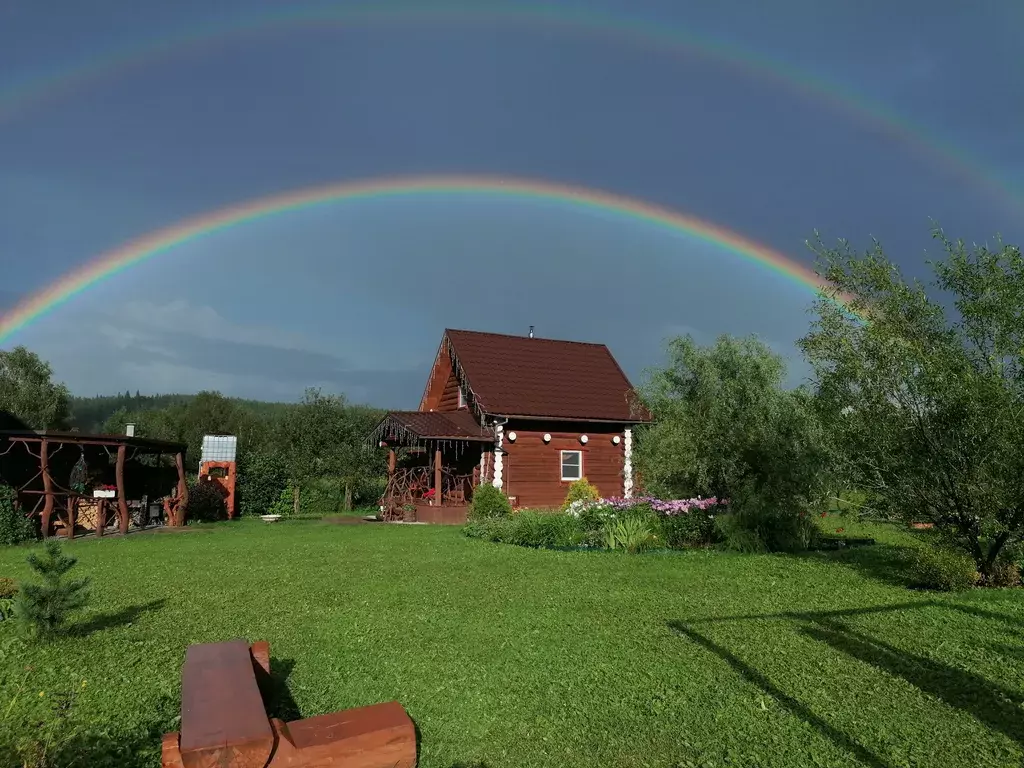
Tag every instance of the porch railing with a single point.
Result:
(413, 485)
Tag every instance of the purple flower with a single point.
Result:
(668, 507)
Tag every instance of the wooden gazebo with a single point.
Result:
(80, 476)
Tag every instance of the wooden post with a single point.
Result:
(122, 501)
(437, 477)
(179, 463)
(101, 516)
(44, 466)
(295, 500)
(72, 504)
(392, 461)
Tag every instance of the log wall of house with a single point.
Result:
(533, 470)
(449, 400)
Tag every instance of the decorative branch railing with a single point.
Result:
(415, 485)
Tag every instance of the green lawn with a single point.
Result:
(506, 656)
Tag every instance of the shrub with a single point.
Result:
(261, 478)
(736, 536)
(690, 529)
(528, 529)
(15, 526)
(8, 591)
(284, 505)
(205, 503)
(489, 502)
(45, 608)
(942, 569)
(1004, 575)
(487, 529)
(772, 524)
(580, 490)
(533, 529)
(8, 587)
(632, 534)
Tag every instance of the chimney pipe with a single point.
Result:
(531, 331)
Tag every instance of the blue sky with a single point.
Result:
(353, 297)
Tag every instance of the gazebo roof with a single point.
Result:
(83, 438)
(416, 426)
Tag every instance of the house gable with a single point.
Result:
(442, 392)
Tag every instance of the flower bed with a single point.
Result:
(634, 524)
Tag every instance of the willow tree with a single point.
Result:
(926, 396)
(725, 426)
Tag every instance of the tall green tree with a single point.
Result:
(926, 398)
(322, 440)
(28, 391)
(725, 426)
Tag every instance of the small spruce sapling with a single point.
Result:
(45, 608)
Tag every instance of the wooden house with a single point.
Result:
(526, 414)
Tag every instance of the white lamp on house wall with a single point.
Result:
(511, 437)
(616, 439)
(583, 439)
(547, 438)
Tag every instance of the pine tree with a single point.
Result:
(45, 608)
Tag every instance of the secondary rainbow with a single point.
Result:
(166, 239)
(23, 92)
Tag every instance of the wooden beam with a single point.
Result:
(437, 477)
(179, 463)
(44, 465)
(392, 461)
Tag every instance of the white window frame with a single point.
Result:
(561, 466)
(462, 397)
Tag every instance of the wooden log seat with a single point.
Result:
(224, 722)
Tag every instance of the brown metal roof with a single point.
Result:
(434, 425)
(545, 378)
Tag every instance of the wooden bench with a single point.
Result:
(224, 721)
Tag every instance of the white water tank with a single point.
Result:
(219, 448)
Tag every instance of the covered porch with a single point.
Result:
(435, 459)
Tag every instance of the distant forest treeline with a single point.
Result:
(90, 414)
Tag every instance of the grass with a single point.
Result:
(506, 656)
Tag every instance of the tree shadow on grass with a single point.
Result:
(112, 619)
(757, 678)
(883, 562)
(1011, 621)
(995, 706)
(998, 707)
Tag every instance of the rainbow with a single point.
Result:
(163, 240)
(22, 93)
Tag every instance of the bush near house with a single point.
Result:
(489, 503)
(580, 490)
